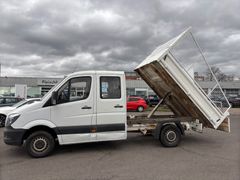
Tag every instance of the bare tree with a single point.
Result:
(217, 72)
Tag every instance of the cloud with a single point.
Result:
(232, 39)
(46, 38)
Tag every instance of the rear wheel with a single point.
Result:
(170, 136)
(140, 108)
(2, 120)
(40, 144)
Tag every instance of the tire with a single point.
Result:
(2, 120)
(170, 136)
(40, 144)
(140, 109)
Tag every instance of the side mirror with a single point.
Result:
(54, 98)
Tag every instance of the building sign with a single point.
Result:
(48, 82)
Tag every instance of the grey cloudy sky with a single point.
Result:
(48, 38)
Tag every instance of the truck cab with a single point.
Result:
(86, 106)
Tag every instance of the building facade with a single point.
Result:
(38, 86)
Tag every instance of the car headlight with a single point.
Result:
(11, 119)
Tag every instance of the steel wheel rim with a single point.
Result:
(171, 136)
(140, 109)
(39, 144)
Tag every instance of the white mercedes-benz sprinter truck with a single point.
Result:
(90, 106)
(86, 106)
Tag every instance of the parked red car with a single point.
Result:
(136, 103)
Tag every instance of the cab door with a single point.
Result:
(73, 113)
(111, 107)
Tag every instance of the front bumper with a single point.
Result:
(13, 136)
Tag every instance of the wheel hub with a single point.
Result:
(40, 144)
(171, 136)
(140, 109)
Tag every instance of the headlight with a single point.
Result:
(11, 119)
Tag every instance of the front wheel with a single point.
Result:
(140, 108)
(170, 136)
(2, 120)
(40, 144)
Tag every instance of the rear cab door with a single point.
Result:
(111, 106)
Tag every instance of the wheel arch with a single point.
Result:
(35, 128)
(2, 114)
(162, 124)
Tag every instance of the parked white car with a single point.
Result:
(7, 109)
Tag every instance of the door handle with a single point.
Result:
(118, 106)
(86, 107)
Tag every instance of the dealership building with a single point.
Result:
(38, 86)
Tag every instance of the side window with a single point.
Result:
(10, 100)
(1, 101)
(80, 88)
(75, 89)
(132, 99)
(110, 87)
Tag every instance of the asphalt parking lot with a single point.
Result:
(210, 155)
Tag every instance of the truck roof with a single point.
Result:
(97, 72)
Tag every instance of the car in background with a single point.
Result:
(234, 101)
(136, 104)
(152, 100)
(8, 100)
(7, 109)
